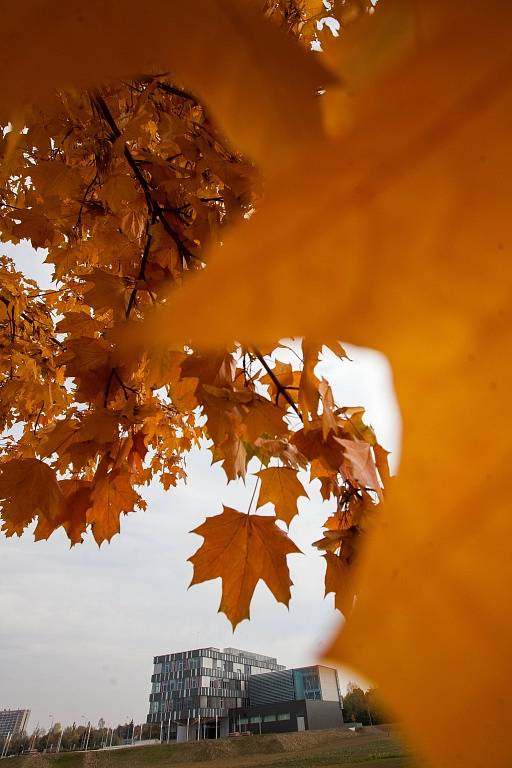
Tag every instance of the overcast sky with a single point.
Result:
(79, 627)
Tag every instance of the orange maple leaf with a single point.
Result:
(241, 549)
(112, 495)
(281, 487)
(28, 487)
(339, 578)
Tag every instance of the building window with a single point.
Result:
(269, 718)
(283, 716)
(244, 720)
(255, 719)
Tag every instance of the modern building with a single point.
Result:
(13, 721)
(193, 691)
(306, 698)
(209, 693)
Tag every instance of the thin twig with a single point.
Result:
(171, 89)
(281, 390)
(253, 495)
(143, 263)
(124, 386)
(38, 417)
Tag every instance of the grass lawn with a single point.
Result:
(371, 748)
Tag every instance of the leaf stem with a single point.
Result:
(253, 495)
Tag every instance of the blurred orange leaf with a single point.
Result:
(260, 83)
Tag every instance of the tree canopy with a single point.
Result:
(127, 186)
(207, 187)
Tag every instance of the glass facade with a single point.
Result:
(307, 683)
(205, 683)
(13, 721)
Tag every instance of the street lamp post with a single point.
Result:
(86, 747)
(49, 732)
(6, 744)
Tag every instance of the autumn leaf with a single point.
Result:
(77, 503)
(130, 184)
(260, 82)
(339, 579)
(281, 487)
(419, 180)
(112, 496)
(28, 487)
(329, 421)
(358, 464)
(262, 417)
(308, 386)
(241, 549)
(381, 463)
(104, 290)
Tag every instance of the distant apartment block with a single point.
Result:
(13, 721)
(208, 693)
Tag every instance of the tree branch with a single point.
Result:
(152, 205)
(143, 262)
(281, 390)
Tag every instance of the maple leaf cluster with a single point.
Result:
(381, 215)
(127, 186)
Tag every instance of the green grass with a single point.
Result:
(369, 749)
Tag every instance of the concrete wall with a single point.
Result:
(318, 715)
(323, 714)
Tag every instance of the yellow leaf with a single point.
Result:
(242, 549)
(281, 487)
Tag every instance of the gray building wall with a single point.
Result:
(283, 717)
(323, 714)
